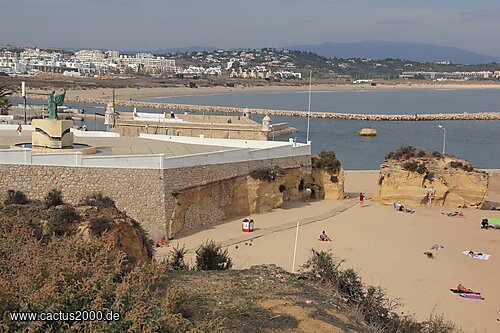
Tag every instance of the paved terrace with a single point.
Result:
(121, 145)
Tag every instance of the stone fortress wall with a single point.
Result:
(151, 196)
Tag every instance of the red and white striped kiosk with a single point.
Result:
(247, 225)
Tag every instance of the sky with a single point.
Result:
(156, 24)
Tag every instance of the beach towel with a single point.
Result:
(472, 296)
(482, 256)
(494, 221)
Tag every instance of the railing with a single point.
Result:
(253, 152)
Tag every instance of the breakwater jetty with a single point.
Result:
(294, 113)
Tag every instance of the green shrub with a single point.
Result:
(429, 176)
(267, 174)
(53, 198)
(437, 154)
(99, 225)
(210, 257)
(61, 219)
(98, 200)
(176, 259)
(459, 165)
(408, 152)
(380, 179)
(322, 267)
(415, 166)
(15, 198)
(326, 160)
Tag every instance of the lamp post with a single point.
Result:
(444, 138)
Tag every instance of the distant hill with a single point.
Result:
(399, 50)
(184, 49)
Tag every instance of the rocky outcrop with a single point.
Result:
(408, 175)
(367, 132)
(327, 177)
(116, 230)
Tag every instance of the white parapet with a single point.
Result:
(94, 134)
(236, 143)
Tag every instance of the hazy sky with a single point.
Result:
(156, 24)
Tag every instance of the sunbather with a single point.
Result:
(430, 255)
(324, 237)
(437, 247)
(464, 290)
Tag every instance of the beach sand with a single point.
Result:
(136, 93)
(386, 247)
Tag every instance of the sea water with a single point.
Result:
(476, 141)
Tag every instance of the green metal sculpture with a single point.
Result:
(54, 101)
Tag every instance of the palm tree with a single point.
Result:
(4, 100)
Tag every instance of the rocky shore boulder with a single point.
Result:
(409, 174)
(367, 132)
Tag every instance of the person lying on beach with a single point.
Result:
(474, 254)
(429, 255)
(455, 214)
(464, 290)
(437, 247)
(324, 237)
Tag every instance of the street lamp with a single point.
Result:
(444, 138)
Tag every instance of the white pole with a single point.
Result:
(309, 107)
(444, 138)
(295, 248)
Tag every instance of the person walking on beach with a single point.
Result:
(430, 195)
(19, 130)
(361, 199)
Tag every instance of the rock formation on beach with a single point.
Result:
(327, 176)
(409, 174)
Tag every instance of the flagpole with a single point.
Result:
(309, 107)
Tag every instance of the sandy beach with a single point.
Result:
(385, 246)
(138, 93)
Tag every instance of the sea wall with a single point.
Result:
(293, 113)
(151, 195)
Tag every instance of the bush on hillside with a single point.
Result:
(61, 219)
(459, 165)
(326, 160)
(267, 174)
(70, 273)
(100, 225)
(15, 198)
(176, 259)
(415, 166)
(98, 200)
(210, 257)
(53, 198)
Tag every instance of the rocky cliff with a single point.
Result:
(327, 177)
(409, 174)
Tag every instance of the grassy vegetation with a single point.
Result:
(326, 160)
(59, 270)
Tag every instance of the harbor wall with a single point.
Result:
(295, 113)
